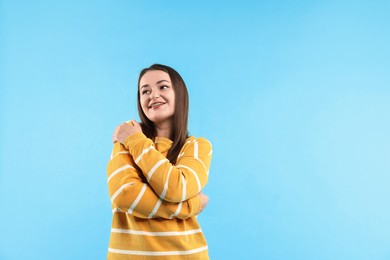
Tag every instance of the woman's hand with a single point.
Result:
(124, 130)
(203, 201)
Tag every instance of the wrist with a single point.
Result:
(196, 205)
(131, 140)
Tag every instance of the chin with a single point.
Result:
(158, 120)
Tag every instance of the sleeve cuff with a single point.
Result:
(195, 205)
(133, 139)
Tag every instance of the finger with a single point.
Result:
(135, 123)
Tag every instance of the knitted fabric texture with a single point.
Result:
(154, 202)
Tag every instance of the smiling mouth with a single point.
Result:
(156, 105)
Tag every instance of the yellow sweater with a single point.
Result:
(154, 202)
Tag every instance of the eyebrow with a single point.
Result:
(158, 82)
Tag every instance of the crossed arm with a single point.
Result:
(144, 183)
(129, 192)
(174, 183)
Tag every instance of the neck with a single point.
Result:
(164, 129)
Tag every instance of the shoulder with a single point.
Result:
(193, 139)
(197, 143)
(196, 147)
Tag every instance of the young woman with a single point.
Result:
(156, 175)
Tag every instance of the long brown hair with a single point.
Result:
(179, 131)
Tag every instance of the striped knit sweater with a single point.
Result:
(154, 202)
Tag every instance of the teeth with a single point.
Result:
(156, 104)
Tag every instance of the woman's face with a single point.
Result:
(157, 97)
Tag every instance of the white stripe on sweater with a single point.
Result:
(142, 154)
(204, 166)
(157, 253)
(196, 149)
(135, 203)
(124, 167)
(158, 164)
(120, 190)
(184, 183)
(156, 207)
(164, 192)
(180, 155)
(183, 198)
(177, 211)
(194, 173)
(156, 234)
(122, 152)
(117, 210)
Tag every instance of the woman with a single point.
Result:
(156, 175)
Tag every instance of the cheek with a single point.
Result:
(144, 104)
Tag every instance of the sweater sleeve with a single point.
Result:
(173, 183)
(130, 193)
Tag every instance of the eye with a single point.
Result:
(164, 87)
(146, 91)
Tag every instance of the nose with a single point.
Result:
(154, 95)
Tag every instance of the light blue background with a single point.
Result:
(294, 95)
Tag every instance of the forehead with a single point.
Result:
(153, 76)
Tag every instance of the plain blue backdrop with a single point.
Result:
(294, 96)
